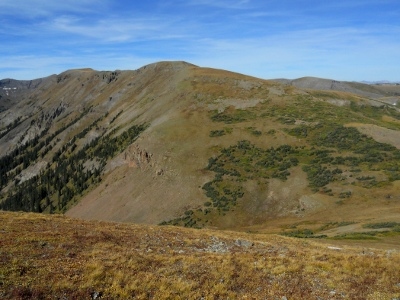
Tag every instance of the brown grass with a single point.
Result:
(54, 257)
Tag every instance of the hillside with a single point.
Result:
(382, 92)
(55, 257)
(174, 143)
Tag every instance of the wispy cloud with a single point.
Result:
(33, 66)
(333, 53)
(43, 8)
(110, 29)
(262, 38)
(227, 4)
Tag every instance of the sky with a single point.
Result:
(351, 40)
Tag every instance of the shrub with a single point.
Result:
(215, 133)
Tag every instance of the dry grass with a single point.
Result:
(43, 257)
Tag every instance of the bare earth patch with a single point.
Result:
(380, 134)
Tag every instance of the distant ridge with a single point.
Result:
(381, 82)
(371, 90)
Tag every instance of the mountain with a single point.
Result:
(174, 143)
(381, 82)
(385, 93)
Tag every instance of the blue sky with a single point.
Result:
(343, 40)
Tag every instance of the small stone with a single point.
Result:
(243, 243)
(334, 248)
(96, 295)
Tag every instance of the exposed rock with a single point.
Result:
(96, 295)
(243, 243)
(334, 248)
(137, 157)
(217, 246)
(32, 171)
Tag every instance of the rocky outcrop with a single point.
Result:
(137, 157)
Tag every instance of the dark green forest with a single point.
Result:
(70, 173)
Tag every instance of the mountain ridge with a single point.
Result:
(201, 154)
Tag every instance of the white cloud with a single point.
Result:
(106, 30)
(32, 67)
(338, 53)
(40, 8)
(118, 29)
(225, 4)
(263, 42)
(342, 53)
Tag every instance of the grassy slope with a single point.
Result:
(51, 257)
(180, 103)
(282, 198)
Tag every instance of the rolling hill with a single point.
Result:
(173, 143)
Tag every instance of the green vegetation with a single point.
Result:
(350, 139)
(254, 131)
(67, 176)
(24, 155)
(392, 229)
(308, 109)
(235, 165)
(242, 162)
(338, 148)
(303, 233)
(370, 235)
(334, 225)
(221, 132)
(334, 147)
(337, 155)
(375, 112)
(319, 175)
(394, 225)
(116, 116)
(10, 127)
(233, 116)
(215, 133)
